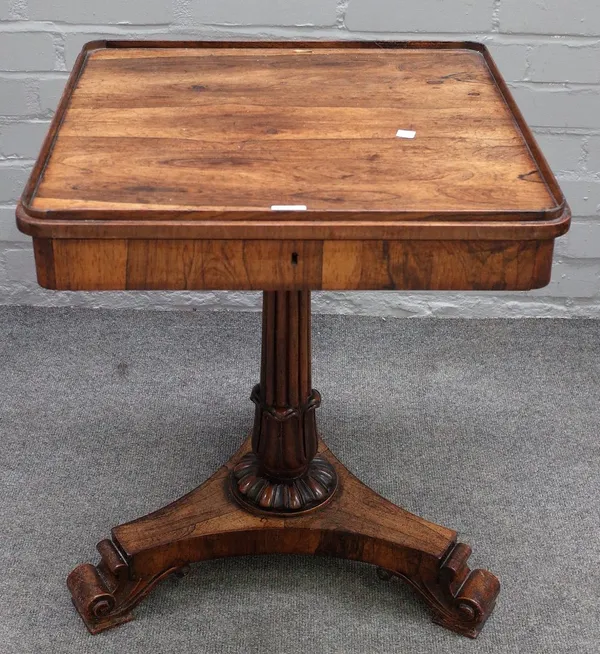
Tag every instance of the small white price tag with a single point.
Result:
(406, 134)
(288, 207)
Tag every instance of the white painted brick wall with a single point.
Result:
(26, 51)
(422, 16)
(593, 149)
(548, 50)
(8, 228)
(18, 97)
(20, 265)
(549, 105)
(22, 139)
(13, 176)
(577, 62)
(574, 280)
(262, 12)
(574, 17)
(582, 241)
(50, 90)
(565, 152)
(512, 58)
(583, 196)
(106, 12)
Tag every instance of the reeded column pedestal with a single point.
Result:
(283, 473)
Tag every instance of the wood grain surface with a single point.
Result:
(178, 264)
(201, 131)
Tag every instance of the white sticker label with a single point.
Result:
(406, 134)
(288, 207)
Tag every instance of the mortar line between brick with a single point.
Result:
(34, 74)
(496, 16)
(59, 26)
(24, 164)
(5, 121)
(556, 87)
(340, 10)
(566, 131)
(527, 71)
(583, 158)
(59, 52)
(19, 9)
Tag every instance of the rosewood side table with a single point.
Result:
(287, 167)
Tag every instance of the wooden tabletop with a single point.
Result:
(199, 131)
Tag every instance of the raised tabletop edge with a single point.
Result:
(546, 173)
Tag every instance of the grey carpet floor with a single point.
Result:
(489, 427)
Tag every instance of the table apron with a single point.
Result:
(180, 264)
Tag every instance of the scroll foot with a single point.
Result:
(461, 599)
(105, 594)
(468, 596)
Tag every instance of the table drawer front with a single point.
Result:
(120, 264)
